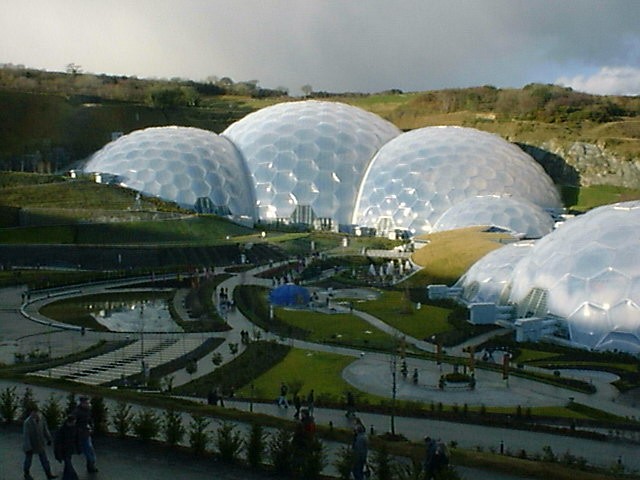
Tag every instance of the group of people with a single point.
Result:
(74, 436)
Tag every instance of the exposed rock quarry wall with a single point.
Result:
(581, 163)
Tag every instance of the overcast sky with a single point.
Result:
(336, 45)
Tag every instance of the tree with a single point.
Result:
(307, 90)
(73, 69)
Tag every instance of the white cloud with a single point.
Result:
(606, 81)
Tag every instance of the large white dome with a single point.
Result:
(182, 165)
(588, 272)
(488, 279)
(309, 154)
(519, 216)
(419, 175)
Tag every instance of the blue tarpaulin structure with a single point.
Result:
(289, 295)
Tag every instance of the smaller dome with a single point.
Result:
(289, 295)
(189, 166)
(519, 216)
(488, 280)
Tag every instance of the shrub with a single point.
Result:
(146, 425)
(229, 442)
(99, 414)
(198, 436)
(122, 418)
(255, 445)
(52, 412)
(27, 402)
(382, 464)
(280, 452)
(547, 454)
(172, 428)
(344, 462)
(8, 405)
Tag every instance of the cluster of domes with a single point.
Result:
(309, 161)
(299, 162)
(586, 273)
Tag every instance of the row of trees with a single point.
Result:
(547, 103)
(155, 92)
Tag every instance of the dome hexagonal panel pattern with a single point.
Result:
(444, 166)
(489, 277)
(320, 147)
(590, 269)
(519, 216)
(179, 164)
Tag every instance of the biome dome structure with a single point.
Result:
(182, 165)
(308, 154)
(587, 271)
(419, 175)
(517, 215)
(488, 279)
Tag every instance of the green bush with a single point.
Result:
(172, 428)
(27, 402)
(255, 445)
(99, 414)
(229, 442)
(280, 452)
(146, 425)
(122, 419)
(52, 412)
(198, 435)
(344, 462)
(8, 405)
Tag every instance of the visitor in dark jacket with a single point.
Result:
(84, 424)
(65, 445)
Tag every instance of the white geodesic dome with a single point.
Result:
(309, 154)
(488, 279)
(420, 174)
(182, 165)
(517, 215)
(587, 271)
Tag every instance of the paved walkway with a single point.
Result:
(371, 373)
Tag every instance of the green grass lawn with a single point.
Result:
(305, 370)
(586, 198)
(394, 309)
(340, 328)
(208, 230)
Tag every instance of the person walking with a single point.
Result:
(65, 445)
(429, 464)
(297, 403)
(282, 399)
(84, 424)
(35, 438)
(311, 400)
(351, 405)
(360, 449)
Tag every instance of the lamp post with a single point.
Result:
(394, 388)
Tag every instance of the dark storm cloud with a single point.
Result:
(334, 45)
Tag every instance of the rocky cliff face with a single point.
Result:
(581, 163)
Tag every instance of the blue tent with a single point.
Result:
(289, 295)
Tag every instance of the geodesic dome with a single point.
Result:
(488, 279)
(517, 215)
(182, 165)
(419, 175)
(308, 154)
(587, 271)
